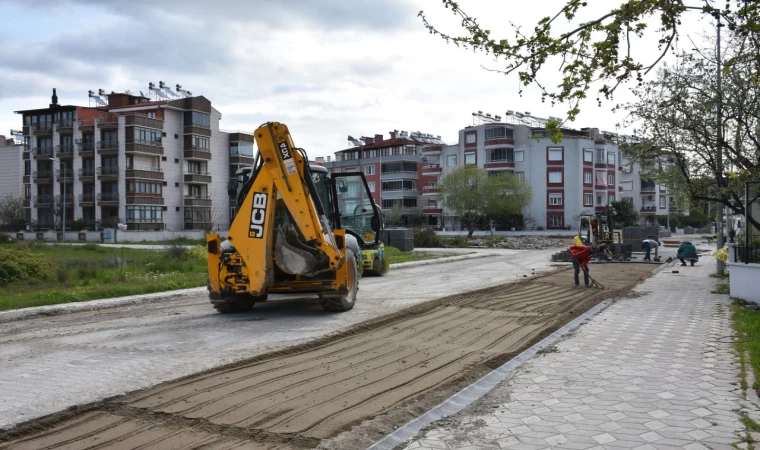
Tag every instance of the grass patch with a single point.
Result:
(396, 256)
(746, 323)
(65, 274)
(717, 275)
(721, 288)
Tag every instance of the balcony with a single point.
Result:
(64, 151)
(200, 130)
(143, 121)
(428, 190)
(109, 147)
(69, 199)
(432, 169)
(499, 164)
(107, 172)
(86, 174)
(65, 126)
(87, 199)
(145, 173)
(86, 149)
(198, 200)
(432, 210)
(648, 189)
(241, 158)
(431, 151)
(108, 121)
(648, 210)
(143, 199)
(64, 175)
(407, 175)
(40, 176)
(153, 148)
(87, 124)
(400, 193)
(142, 224)
(42, 129)
(42, 153)
(42, 200)
(108, 198)
(197, 177)
(601, 209)
(198, 153)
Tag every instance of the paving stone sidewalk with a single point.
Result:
(649, 372)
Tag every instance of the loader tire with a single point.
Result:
(344, 302)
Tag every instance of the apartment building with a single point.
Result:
(11, 167)
(400, 170)
(159, 164)
(578, 175)
(648, 197)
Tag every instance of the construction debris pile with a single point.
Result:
(521, 243)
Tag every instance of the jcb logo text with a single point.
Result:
(258, 215)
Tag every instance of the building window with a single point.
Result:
(555, 154)
(469, 158)
(147, 136)
(555, 177)
(369, 170)
(470, 138)
(588, 200)
(588, 155)
(586, 177)
(130, 162)
(151, 115)
(627, 185)
(143, 187)
(197, 119)
(520, 176)
(519, 156)
(600, 199)
(498, 133)
(139, 213)
(500, 155)
(371, 153)
(200, 143)
(432, 203)
(610, 199)
(600, 155)
(555, 199)
(400, 185)
(627, 199)
(662, 202)
(404, 203)
(371, 185)
(194, 190)
(611, 158)
(555, 221)
(610, 180)
(27, 168)
(451, 161)
(109, 139)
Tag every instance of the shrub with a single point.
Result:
(20, 264)
(426, 237)
(199, 254)
(62, 274)
(176, 251)
(5, 238)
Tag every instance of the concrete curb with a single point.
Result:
(134, 300)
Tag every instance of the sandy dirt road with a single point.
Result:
(49, 363)
(302, 397)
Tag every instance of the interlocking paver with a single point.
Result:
(647, 373)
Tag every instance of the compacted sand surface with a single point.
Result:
(362, 382)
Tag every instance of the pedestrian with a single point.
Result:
(580, 255)
(687, 251)
(648, 245)
(604, 253)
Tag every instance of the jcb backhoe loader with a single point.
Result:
(281, 239)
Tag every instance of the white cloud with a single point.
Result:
(328, 69)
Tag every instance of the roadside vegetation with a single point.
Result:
(37, 274)
(747, 326)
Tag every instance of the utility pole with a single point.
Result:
(721, 241)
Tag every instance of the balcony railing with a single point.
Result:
(46, 128)
(144, 199)
(745, 255)
(86, 198)
(430, 190)
(197, 177)
(66, 150)
(64, 124)
(399, 174)
(42, 152)
(648, 209)
(197, 153)
(144, 146)
(108, 145)
(86, 148)
(43, 200)
(144, 172)
(108, 197)
(42, 175)
(69, 198)
(67, 173)
(85, 172)
(108, 120)
(143, 121)
(145, 220)
(107, 171)
(198, 200)
(648, 188)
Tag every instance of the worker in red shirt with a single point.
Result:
(580, 256)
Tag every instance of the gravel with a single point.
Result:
(521, 243)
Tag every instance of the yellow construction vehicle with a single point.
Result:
(296, 230)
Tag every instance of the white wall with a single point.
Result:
(219, 168)
(12, 170)
(173, 171)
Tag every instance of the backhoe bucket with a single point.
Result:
(292, 256)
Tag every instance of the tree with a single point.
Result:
(597, 50)
(680, 139)
(625, 214)
(473, 195)
(393, 217)
(12, 211)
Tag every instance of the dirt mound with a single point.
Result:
(385, 369)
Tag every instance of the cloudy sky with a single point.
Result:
(327, 68)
